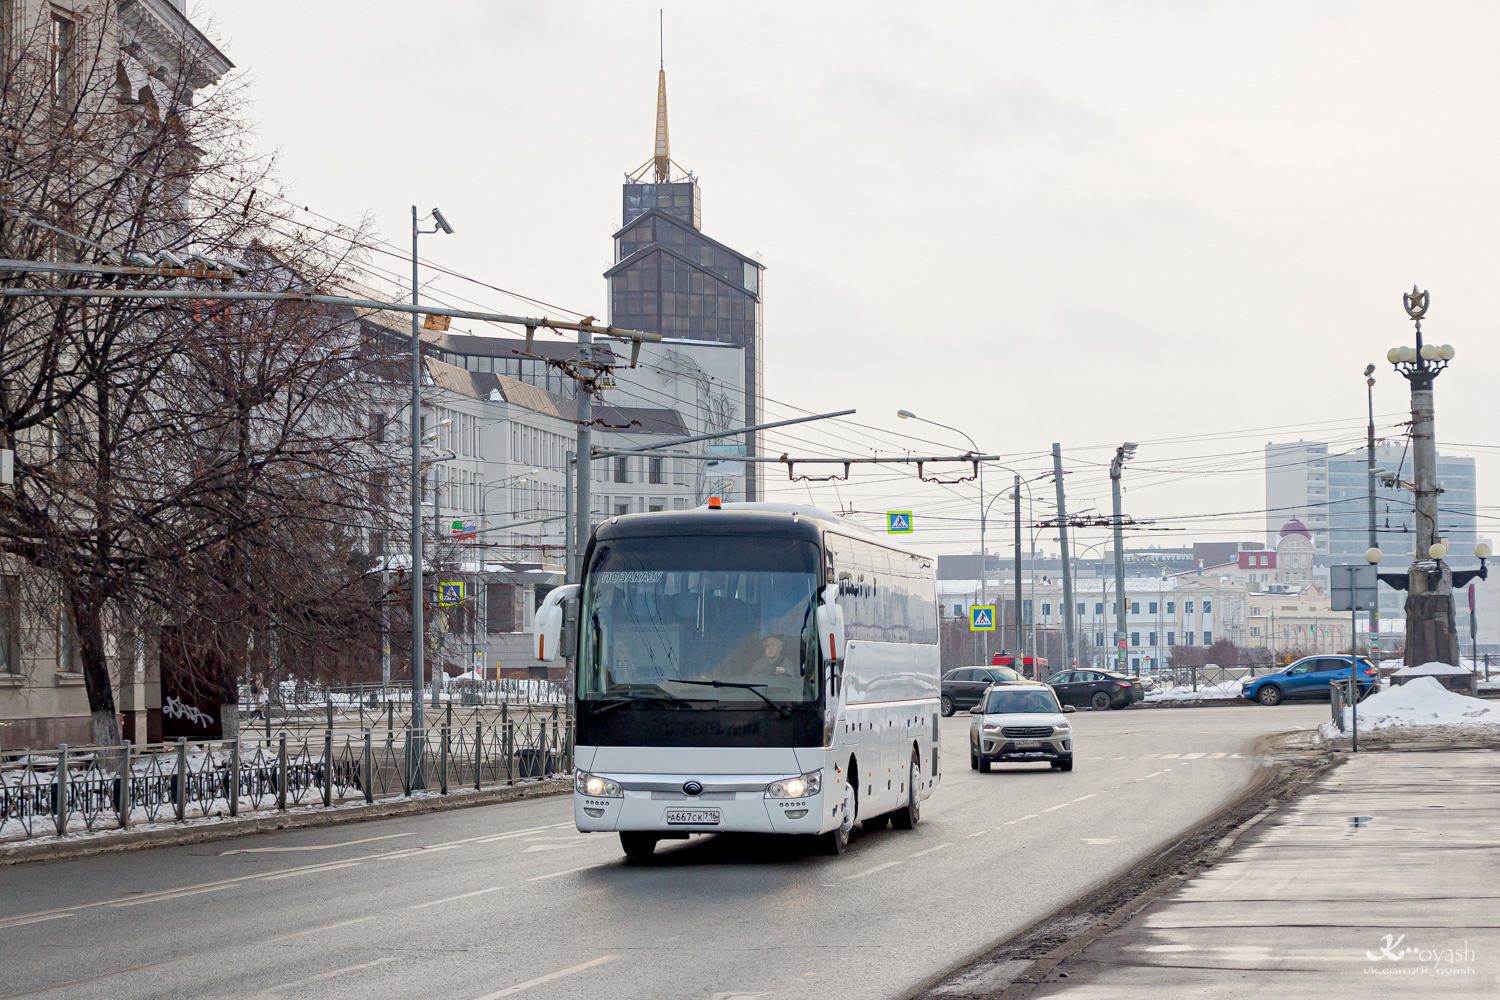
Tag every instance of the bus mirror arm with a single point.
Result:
(546, 628)
(830, 620)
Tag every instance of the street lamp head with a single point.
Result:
(1393, 355)
(1482, 550)
(1372, 555)
(1369, 370)
(1446, 352)
(1429, 352)
(1437, 550)
(906, 414)
(442, 222)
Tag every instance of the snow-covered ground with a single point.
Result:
(1419, 702)
(1224, 690)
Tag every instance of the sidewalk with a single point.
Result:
(1382, 880)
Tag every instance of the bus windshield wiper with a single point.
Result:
(752, 688)
(614, 703)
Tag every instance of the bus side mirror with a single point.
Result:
(830, 620)
(546, 627)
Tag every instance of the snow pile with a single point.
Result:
(1421, 701)
(1222, 691)
(1433, 669)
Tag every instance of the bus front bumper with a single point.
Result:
(657, 803)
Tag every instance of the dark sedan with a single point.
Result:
(962, 688)
(1096, 689)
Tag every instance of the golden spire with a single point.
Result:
(663, 157)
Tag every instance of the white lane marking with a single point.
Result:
(167, 895)
(567, 871)
(491, 838)
(462, 895)
(315, 930)
(1117, 758)
(872, 871)
(1083, 797)
(1153, 774)
(273, 990)
(415, 852)
(34, 920)
(549, 847)
(307, 871)
(1216, 756)
(1169, 756)
(1192, 756)
(314, 847)
(1096, 841)
(539, 980)
(929, 850)
(1022, 819)
(981, 833)
(1235, 756)
(1060, 805)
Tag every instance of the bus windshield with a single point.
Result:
(676, 620)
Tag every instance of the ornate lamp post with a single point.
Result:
(1429, 582)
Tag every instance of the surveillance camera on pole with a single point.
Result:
(437, 217)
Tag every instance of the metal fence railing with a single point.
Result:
(74, 789)
(356, 707)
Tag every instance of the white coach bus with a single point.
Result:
(756, 668)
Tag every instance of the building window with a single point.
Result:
(1135, 607)
(1187, 608)
(1081, 608)
(1188, 639)
(1153, 639)
(1208, 606)
(620, 508)
(1099, 608)
(678, 503)
(1151, 608)
(1046, 610)
(655, 474)
(622, 468)
(1171, 638)
(1208, 638)
(1171, 607)
(63, 31)
(679, 471)
(752, 278)
(1255, 630)
(10, 625)
(1135, 638)
(656, 504)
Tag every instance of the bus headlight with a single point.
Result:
(796, 788)
(591, 784)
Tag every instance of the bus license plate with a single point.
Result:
(1028, 744)
(693, 817)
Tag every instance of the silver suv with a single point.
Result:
(1021, 723)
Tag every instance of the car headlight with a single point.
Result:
(594, 785)
(991, 729)
(796, 788)
(1063, 727)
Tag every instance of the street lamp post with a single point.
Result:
(418, 658)
(1370, 509)
(1430, 632)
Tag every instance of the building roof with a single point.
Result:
(1295, 527)
(698, 233)
(486, 385)
(651, 248)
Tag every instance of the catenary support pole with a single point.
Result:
(1370, 510)
(1120, 605)
(1020, 654)
(585, 470)
(418, 654)
(1070, 656)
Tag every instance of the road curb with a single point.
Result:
(212, 829)
(1048, 942)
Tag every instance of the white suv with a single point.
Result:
(1020, 723)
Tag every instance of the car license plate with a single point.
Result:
(693, 817)
(1028, 744)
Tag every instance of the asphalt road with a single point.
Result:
(478, 904)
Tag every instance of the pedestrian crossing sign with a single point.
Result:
(450, 593)
(982, 618)
(898, 522)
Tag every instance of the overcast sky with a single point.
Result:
(1038, 222)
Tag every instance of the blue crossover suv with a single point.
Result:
(1309, 677)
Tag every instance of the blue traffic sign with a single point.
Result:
(898, 522)
(982, 618)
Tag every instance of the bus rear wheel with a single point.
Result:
(908, 817)
(638, 845)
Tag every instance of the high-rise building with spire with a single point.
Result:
(670, 278)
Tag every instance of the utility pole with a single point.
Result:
(585, 470)
(1070, 657)
(1431, 634)
(1020, 633)
(1122, 455)
(1370, 505)
(570, 571)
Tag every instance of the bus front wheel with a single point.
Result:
(638, 845)
(836, 841)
